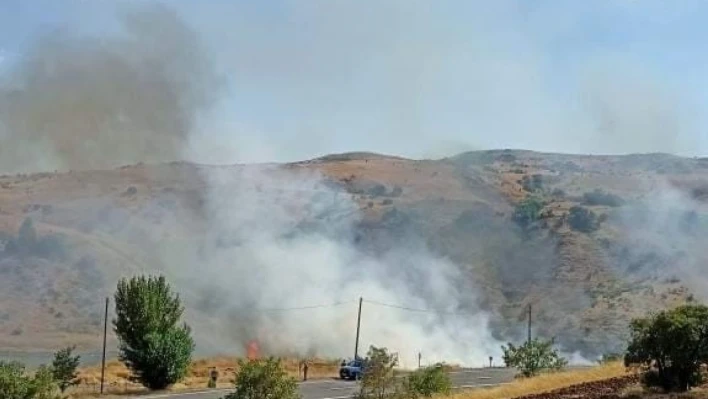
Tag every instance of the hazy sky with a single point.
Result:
(429, 78)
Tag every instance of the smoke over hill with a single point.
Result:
(75, 101)
(246, 244)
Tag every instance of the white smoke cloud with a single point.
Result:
(665, 231)
(256, 256)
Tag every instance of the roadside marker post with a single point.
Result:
(103, 360)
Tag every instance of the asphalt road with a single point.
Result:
(338, 389)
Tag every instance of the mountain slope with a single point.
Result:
(515, 225)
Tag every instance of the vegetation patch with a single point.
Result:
(670, 347)
(527, 212)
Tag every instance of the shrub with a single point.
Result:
(429, 381)
(64, 368)
(599, 197)
(15, 383)
(582, 219)
(263, 379)
(379, 379)
(43, 384)
(527, 212)
(152, 345)
(533, 357)
(671, 345)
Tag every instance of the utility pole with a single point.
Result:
(529, 332)
(105, 333)
(358, 325)
(419, 357)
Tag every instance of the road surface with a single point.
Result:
(338, 389)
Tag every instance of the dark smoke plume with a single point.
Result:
(76, 102)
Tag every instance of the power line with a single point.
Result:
(330, 305)
(414, 309)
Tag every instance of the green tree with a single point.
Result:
(379, 377)
(671, 345)
(64, 367)
(263, 379)
(15, 383)
(533, 357)
(428, 381)
(152, 345)
(527, 212)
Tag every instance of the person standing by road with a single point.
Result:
(305, 366)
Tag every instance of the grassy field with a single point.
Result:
(546, 382)
(117, 375)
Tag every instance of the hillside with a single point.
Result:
(513, 223)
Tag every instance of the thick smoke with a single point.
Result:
(83, 102)
(665, 231)
(287, 239)
(283, 239)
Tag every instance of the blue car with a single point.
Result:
(352, 370)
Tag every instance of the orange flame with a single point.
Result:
(253, 351)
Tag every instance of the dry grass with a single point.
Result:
(116, 381)
(546, 382)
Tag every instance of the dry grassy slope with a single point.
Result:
(461, 206)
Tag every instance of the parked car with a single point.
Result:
(353, 370)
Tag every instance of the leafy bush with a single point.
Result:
(533, 357)
(263, 379)
(671, 345)
(152, 345)
(15, 383)
(428, 381)
(527, 212)
(64, 368)
(379, 379)
(582, 219)
(599, 197)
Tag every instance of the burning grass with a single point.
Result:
(546, 382)
(117, 375)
